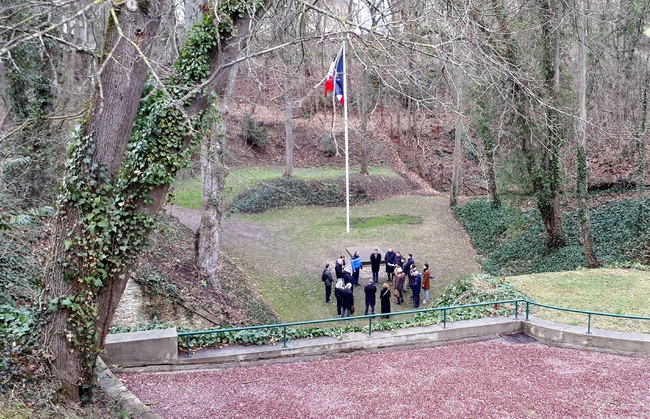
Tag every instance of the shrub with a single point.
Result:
(328, 145)
(255, 134)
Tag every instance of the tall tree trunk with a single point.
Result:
(581, 139)
(364, 108)
(288, 123)
(491, 177)
(458, 142)
(640, 154)
(109, 195)
(213, 177)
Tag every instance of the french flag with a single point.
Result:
(334, 79)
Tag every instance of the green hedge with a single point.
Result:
(291, 192)
(510, 241)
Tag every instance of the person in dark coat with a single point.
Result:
(348, 301)
(371, 296)
(399, 260)
(355, 264)
(390, 260)
(338, 268)
(399, 284)
(408, 267)
(339, 296)
(384, 296)
(347, 277)
(375, 261)
(416, 287)
(326, 277)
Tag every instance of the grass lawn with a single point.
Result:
(284, 251)
(618, 291)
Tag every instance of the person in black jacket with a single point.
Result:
(371, 296)
(338, 269)
(375, 261)
(408, 267)
(347, 300)
(384, 296)
(326, 277)
(347, 277)
(390, 259)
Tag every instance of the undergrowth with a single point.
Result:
(510, 241)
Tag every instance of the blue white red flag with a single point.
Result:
(334, 79)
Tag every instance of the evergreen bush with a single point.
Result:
(255, 134)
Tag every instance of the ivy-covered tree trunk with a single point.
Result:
(119, 173)
(581, 140)
(547, 179)
(76, 320)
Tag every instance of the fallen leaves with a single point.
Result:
(490, 379)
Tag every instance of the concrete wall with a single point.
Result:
(156, 347)
(141, 348)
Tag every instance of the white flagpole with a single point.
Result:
(347, 160)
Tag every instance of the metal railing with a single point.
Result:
(370, 317)
(588, 313)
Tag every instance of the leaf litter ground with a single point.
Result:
(488, 379)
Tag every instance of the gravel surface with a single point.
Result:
(489, 379)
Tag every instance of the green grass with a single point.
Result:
(285, 250)
(384, 220)
(617, 291)
(188, 193)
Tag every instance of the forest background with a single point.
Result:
(532, 104)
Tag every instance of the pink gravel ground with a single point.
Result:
(488, 379)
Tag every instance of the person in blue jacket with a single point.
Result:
(416, 287)
(355, 264)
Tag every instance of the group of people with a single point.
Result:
(399, 269)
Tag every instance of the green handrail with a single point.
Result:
(444, 310)
(284, 326)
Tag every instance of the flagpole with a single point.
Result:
(347, 160)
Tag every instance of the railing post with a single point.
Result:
(369, 326)
(527, 309)
(589, 324)
(444, 318)
(516, 309)
(284, 336)
(187, 344)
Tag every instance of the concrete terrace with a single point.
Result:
(478, 329)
